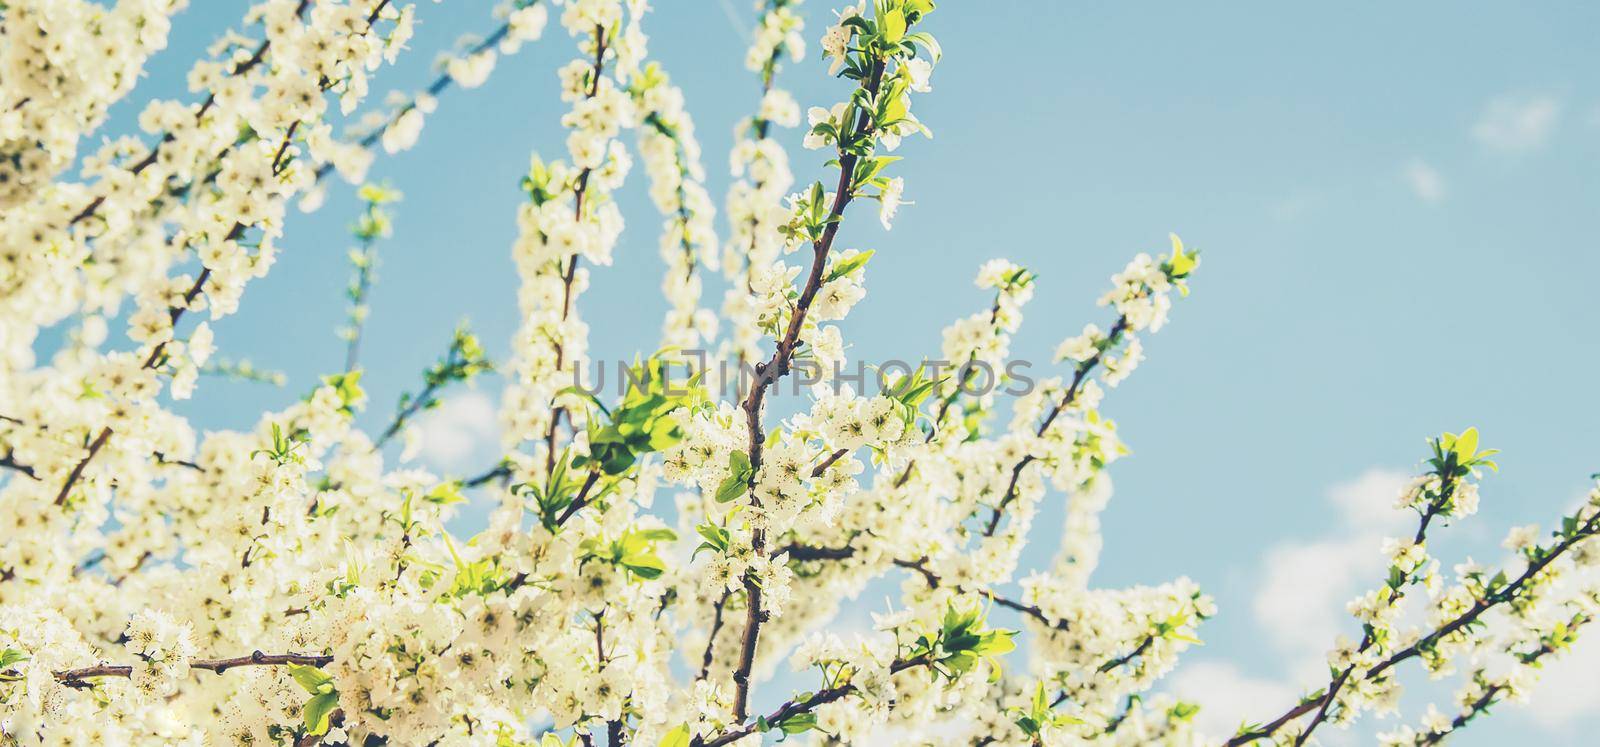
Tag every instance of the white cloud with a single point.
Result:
(1424, 180)
(1568, 690)
(1305, 585)
(1301, 598)
(1367, 503)
(463, 426)
(1299, 605)
(1517, 122)
(1226, 695)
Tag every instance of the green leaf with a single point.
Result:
(893, 25)
(12, 656)
(738, 479)
(799, 723)
(656, 535)
(714, 534)
(716, 539)
(731, 488)
(844, 267)
(645, 565)
(1467, 444)
(895, 109)
(312, 679)
(317, 710)
(446, 493)
(678, 737)
(995, 643)
(960, 663)
(1182, 263)
(1041, 702)
(378, 193)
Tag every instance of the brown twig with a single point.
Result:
(1504, 595)
(571, 273)
(581, 500)
(711, 638)
(149, 158)
(768, 373)
(1078, 376)
(80, 677)
(9, 461)
(799, 706)
(176, 312)
(826, 463)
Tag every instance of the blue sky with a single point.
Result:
(1394, 202)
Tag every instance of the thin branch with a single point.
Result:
(1506, 594)
(967, 372)
(1368, 638)
(176, 312)
(614, 727)
(95, 446)
(358, 322)
(499, 472)
(1130, 656)
(416, 405)
(768, 373)
(164, 459)
(921, 567)
(10, 462)
(80, 677)
(1110, 666)
(579, 191)
(802, 553)
(581, 500)
(711, 638)
(799, 706)
(439, 84)
(826, 463)
(154, 153)
(1078, 376)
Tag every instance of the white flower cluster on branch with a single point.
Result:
(295, 582)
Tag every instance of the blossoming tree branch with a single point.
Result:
(661, 562)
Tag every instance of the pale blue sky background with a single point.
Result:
(1394, 201)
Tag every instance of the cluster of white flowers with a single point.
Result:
(1507, 668)
(199, 187)
(66, 62)
(317, 578)
(163, 647)
(1504, 622)
(522, 21)
(979, 346)
(1099, 646)
(760, 166)
(398, 125)
(671, 156)
(569, 217)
